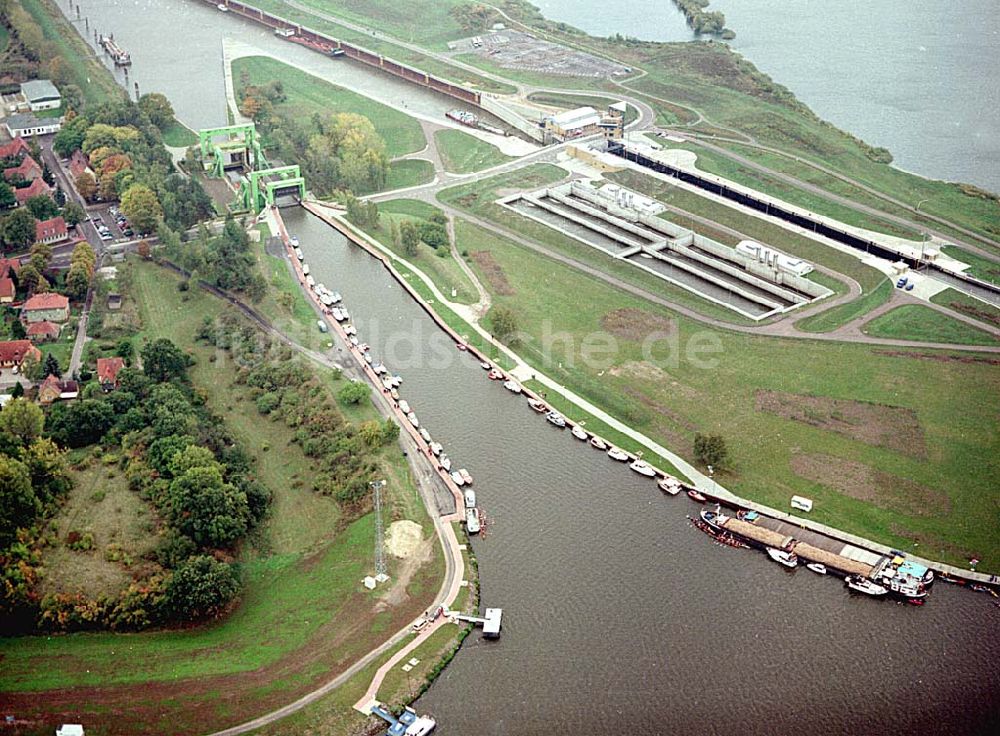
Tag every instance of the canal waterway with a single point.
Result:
(919, 78)
(621, 618)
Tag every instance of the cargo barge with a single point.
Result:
(120, 56)
(471, 120)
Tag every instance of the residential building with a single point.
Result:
(43, 331)
(47, 307)
(7, 290)
(8, 265)
(51, 231)
(25, 125)
(17, 147)
(41, 94)
(79, 163)
(54, 389)
(107, 372)
(37, 188)
(13, 353)
(28, 169)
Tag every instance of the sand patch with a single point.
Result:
(493, 272)
(636, 324)
(404, 539)
(642, 370)
(892, 427)
(869, 484)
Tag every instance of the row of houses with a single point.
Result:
(27, 170)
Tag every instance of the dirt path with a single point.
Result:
(482, 306)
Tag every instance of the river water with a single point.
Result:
(621, 618)
(920, 78)
(618, 617)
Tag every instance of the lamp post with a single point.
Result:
(711, 474)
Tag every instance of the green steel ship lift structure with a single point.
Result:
(238, 148)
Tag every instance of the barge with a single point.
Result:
(120, 56)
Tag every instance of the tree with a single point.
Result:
(18, 503)
(52, 366)
(19, 229)
(46, 465)
(162, 360)
(83, 255)
(17, 331)
(143, 249)
(710, 449)
(157, 107)
(206, 508)
(70, 136)
(125, 350)
(410, 237)
(77, 282)
(73, 213)
(201, 587)
(141, 207)
(80, 423)
(503, 323)
(42, 207)
(353, 393)
(29, 277)
(86, 185)
(22, 420)
(18, 391)
(7, 198)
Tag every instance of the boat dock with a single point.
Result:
(490, 623)
(408, 723)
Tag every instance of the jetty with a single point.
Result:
(490, 622)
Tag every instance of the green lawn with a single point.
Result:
(968, 305)
(179, 135)
(462, 153)
(916, 322)
(839, 316)
(308, 95)
(979, 267)
(409, 172)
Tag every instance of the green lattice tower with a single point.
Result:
(258, 188)
(241, 137)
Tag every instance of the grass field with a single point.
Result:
(979, 267)
(916, 322)
(462, 153)
(304, 613)
(969, 306)
(307, 95)
(840, 315)
(409, 172)
(667, 394)
(178, 135)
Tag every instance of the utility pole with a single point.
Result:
(380, 570)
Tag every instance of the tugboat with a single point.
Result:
(864, 585)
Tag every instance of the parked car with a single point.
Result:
(909, 286)
(901, 283)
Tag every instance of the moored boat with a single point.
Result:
(580, 433)
(444, 461)
(294, 241)
(695, 496)
(404, 406)
(472, 521)
(394, 394)
(817, 567)
(305, 269)
(470, 499)
(466, 476)
(413, 419)
(556, 419)
(598, 443)
(457, 478)
(436, 448)
(788, 559)
(864, 585)
(397, 380)
(615, 454)
(485, 365)
(350, 330)
(643, 468)
(537, 405)
(495, 374)
(299, 254)
(337, 313)
(513, 386)
(462, 346)
(669, 485)
(354, 340)
(425, 434)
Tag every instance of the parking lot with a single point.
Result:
(517, 50)
(105, 219)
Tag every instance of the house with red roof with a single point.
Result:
(51, 231)
(47, 307)
(53, 389)
(13, 353)
(28, 169)
(8, 265)
(7, 290)
(43, 331)
(79, 163)
(16, 147)
(35, 189)
(107, 372)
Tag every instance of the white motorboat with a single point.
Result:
(425, 434)
(470, 499)
(466, 476)
(472, 521)
(380, 368)
(413, 419)
(310, 281)
(788, 559)
(817, 567)
(354, 340)
(537, 405)
(598, 443)
(305, 269)
(437, 448)
(864, 585)
(556, 419)
(397, 380)
(615, 454)
(457, 478)
(294, 240)
(643, 468)
(404, 406)
(387, 384)
(299, 254)
(335, 296)
(394, 394)
(326, 300)
(350, 329)
(580, 433)
(444, 461)
(368, 358)
(485, 365)
(669, 485)
(344, 315)
(513, 386)
(337, 313)
(495, 374)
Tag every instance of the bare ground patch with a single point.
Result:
(493, 272)
(869, 484)
(938, 358)
(636, 324)
(892, 427)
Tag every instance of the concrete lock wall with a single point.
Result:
(513, 119)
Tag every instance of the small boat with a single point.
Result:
(397, 380)
(462, 346)
(425, 434)
(694, 495)
(364, 347)
(326, 300)
(310, 281)
(305, 269)
(513, 386)
(379, 368)
(580, 433)
(615, 454)
(485, 365)
(466, 476)
(368, 358)
(669, 485)
(344, 315)
(817, 567)
(394, 394)
(404, 406)
(336, 297)
(864, 585)
(470, 499)
(472, 521)
(457, 478)
(537, 405)
(413, 419)
(444, 461)
(299, 254)
(350, 329)
(294, 241)
(437, 448)
(556, 419)
(337, 314)
(788, 559)
(386, 384)
(915, 601)
(598, 443)
(643, 468)
(495, 375)
(354, 340)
